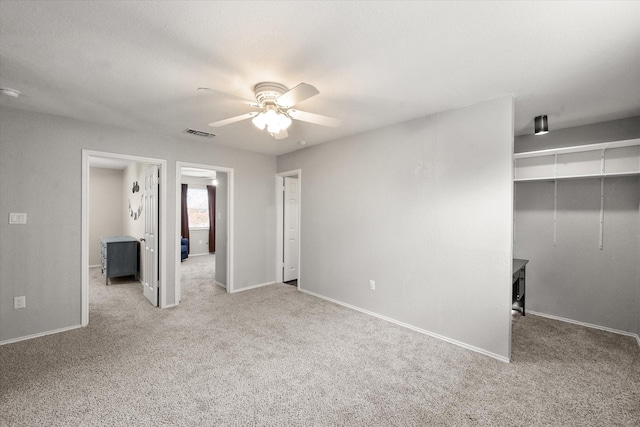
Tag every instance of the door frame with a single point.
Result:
(280, 219)
(230, 216)
(87, 155)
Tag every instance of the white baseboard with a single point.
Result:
(588, 325)
(38, 335)
(259, 285)
(220, 284)
(413, 328)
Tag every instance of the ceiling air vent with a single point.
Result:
(200, 133)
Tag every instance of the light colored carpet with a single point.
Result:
(198, 273)
(275, 356)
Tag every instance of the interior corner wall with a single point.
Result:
(575, 279)
(42, 259)
(424, 208)
(105, 198)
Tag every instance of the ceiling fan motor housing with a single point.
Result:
(267, 92)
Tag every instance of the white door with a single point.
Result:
(291, 229)
(150, 243)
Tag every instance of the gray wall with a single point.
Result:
(424, 208)
(576, 280)
(221, 227)
(199, 241)
(42, 259)
(106, 195)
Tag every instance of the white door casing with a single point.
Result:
(88, 157)
(229, 229)
(150, 243)
(290, 229)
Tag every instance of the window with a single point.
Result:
(198, 207)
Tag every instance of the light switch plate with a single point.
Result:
(17, 218)
(19, 302)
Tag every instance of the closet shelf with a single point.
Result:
(609, 159)
(579, 148)
(583, 176)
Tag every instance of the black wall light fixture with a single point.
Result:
(541, 125)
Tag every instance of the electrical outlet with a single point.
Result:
(19, 302)
(372, 285)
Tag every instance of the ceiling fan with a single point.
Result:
(275, 102)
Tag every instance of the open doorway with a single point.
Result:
(136, 203)
(210, 238)
(288, 209)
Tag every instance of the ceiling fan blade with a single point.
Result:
(281, 135)
(233, 119)
(228, 95)
(296, 95)
(314, 118)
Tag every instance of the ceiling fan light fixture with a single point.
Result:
(273, 120)
(284, 121)
(259, 121)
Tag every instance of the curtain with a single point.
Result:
(184, 220)
(211, 190)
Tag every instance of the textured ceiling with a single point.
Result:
(138, 64)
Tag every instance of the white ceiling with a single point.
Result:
(138, 64)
